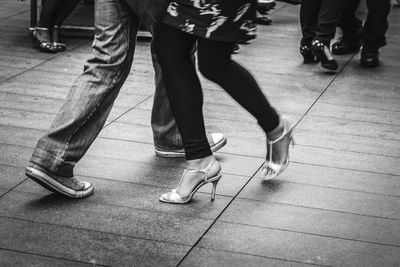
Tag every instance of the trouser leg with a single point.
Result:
(309, 10)
(92, 95)
(349, 23)
(376, 25)
(328, 19)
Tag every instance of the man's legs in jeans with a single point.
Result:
(92, 95)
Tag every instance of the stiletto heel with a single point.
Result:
(43, 46)
(214, 189)
(308, 56)
(323, 54)
(271, 170)
(174, 198)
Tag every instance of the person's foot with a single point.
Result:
(308, 55)
(323, 55)
(345, 46)
(278, 142)
(68, 186)
(199, 172)
(216, 141)
(369, 57)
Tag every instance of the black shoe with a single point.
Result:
(369, 57)
(323, 54)
(343, 46)
(264, 20)
(42, 40)
(308, 55)
(235, 48)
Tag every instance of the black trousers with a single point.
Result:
(54, 12)
(319, 19)
(375, 27)
(174, 51)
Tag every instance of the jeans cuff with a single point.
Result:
(52, 164)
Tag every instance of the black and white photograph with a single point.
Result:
(199, 133)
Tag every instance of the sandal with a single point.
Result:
(271, 169)
(60, 47)
(44, 46)
(175, 198)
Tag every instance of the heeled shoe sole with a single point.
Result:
(189, 198)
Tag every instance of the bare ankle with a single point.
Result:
(197, 164)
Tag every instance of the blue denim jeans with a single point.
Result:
(93, 93)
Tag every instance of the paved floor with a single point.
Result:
(338, 204)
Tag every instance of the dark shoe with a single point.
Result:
(42, 40)
(216, 141)
(68, 186)
(235, 48)
(323, 54)
(369, 58)
(55, 36)
(307, 54)
(264, 20)
(343, 47)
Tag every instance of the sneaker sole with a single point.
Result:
(49, 183)
(179, 154)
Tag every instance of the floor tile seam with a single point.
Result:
(60, 99)
(12, 188)
(125, 207)
(353, 120)
(51, 257)
(300, 128)
(311, 234)
(368, 108)
(315, 208)
(306, 113)
(260, 256)
(124, 113)
(94, 231)
(15, 15)
(219, 215)
(33, 67)
(322, 209)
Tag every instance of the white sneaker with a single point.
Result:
(216, 141)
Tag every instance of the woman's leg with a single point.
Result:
(174, 51)
(49, 12)
(215, 64)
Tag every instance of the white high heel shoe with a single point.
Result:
(175, 198)
(271, 170)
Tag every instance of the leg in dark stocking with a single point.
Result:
(215, 64)
(173, 48)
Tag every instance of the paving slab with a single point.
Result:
(86, 246)
(88, 215)
(299, 247)
(11, 176)
(325, 198)
(313, 221)
(211, 257)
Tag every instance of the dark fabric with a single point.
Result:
(374, 30)
(149, 12)
(319, 19)
(54, 12)
(218, 20)
(173, 48)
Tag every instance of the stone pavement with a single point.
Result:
(338, 204)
